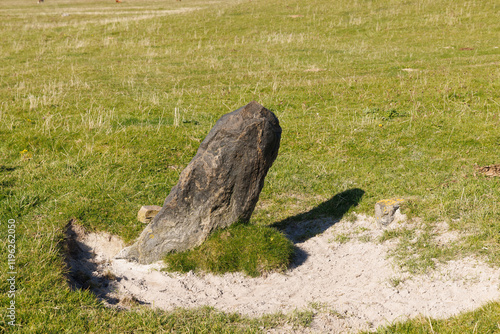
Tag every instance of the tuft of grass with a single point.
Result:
(483, 320)
(251, 249)
(417, 251)
(397, 233)
(395, 281)
(342, 238)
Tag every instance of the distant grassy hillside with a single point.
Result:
(102, 105)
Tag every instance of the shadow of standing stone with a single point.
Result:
(306, 225)
(220, 186)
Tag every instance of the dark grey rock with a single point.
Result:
(220, 186)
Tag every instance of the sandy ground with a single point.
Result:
(353, 285)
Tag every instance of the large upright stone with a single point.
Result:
(220, 186)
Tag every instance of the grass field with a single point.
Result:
(102, 105)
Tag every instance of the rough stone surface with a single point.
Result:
(385, 210)
(220, 186)
(147, 213)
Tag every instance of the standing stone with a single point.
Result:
(220, 186)
(385, 210)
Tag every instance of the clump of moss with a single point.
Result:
(248, 248)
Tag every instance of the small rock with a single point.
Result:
(147, 213)
(385, 210)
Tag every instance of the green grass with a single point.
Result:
(101, 109)
(251, 249)
(484, 320)
(419, 252)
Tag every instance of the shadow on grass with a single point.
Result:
(4, 168)
(306, 225)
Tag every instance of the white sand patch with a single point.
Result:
(355, 283)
